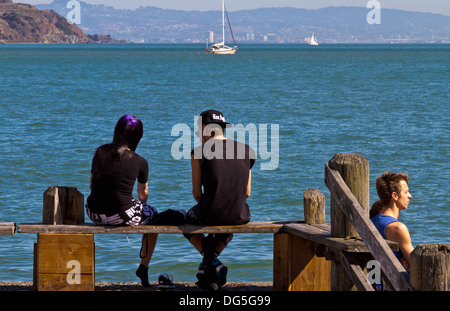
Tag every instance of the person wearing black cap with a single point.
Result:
(221, 184)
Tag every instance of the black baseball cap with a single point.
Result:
(213, 116)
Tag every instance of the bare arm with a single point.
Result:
(142, 190)
(398, 232)
(196, 179)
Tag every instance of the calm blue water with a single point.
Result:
(389, 103)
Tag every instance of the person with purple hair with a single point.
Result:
(115, 168)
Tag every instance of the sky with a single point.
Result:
(428, 6)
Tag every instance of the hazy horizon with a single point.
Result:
(432, 6)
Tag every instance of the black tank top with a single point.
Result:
(225, 166)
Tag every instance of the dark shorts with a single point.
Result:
(191, 218)
(139, 214)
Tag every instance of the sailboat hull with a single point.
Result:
(221, 48)
(223, 52)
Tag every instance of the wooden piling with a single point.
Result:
(314, 206)
(430, 267)
(354, 170)
(63, 205)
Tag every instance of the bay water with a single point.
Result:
(58, 103)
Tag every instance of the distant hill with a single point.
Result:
(280, 25)
(24, 23)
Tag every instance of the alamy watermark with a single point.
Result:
(258, 137)
(374, 16)
(74, 16)
(74, 275)
(374, 275)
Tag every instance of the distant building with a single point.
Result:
(270, 38)
(209, 36)
(249, 37)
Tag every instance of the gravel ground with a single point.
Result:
(103, 286)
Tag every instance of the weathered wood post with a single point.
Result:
(314, 206)
(63, 205)
(354, 170)
(296, 266)
(63, 261)
(430, 267)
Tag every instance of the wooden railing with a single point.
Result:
(394, 272)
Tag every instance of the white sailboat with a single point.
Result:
(221, 48)
(313, 40)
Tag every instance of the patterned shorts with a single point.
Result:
(139, 214)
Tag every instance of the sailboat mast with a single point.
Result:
(223, 21)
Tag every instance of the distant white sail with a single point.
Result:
(313, 40)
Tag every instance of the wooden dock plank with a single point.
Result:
(7, 228)
(320, 234)
(89, 228)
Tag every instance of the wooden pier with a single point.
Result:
(309, 254)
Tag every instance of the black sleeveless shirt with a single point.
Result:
(225, 166)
